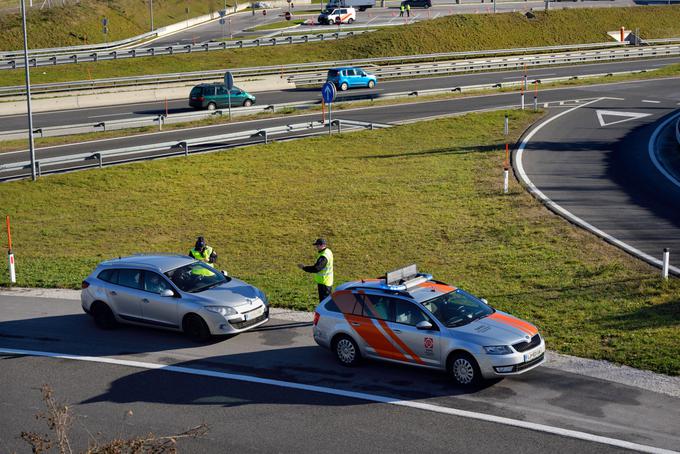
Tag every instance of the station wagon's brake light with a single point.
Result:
(316, 318)
(84, 284)
(200, 98)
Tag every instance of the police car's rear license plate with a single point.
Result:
(533, 355)
(254, 314)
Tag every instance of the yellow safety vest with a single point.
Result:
(205, 256)
(325, 276)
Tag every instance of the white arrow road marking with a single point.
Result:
(614, 113)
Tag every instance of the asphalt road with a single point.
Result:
(373, 17)
(98, 114)
(253, 417)
(594, 162)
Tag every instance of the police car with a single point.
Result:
(407, 317)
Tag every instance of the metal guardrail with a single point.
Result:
(161, 120)
(279, 69)
(508, 63)
(174, 148)
(94, 56)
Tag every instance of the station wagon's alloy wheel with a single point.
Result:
(212, 106)
(464, 369)
(195, 328)
(344, 86)
(346, 351)
(103, 316)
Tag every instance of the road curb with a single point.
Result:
(598, 369)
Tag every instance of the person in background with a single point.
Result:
(322, 269)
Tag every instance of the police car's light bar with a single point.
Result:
(405, 278)
(401, 275)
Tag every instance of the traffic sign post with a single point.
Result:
(10, 255)
(229, 84)
(328, 93)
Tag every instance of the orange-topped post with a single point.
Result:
(10, 255)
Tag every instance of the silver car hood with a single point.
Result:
(503, 330)
(234, 293)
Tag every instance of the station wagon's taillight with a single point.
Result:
(316, 318)
(84, 284)
(200, 98)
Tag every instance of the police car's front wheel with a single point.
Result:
(346, 351)
(464, 369)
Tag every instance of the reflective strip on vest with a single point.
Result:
(325, 276)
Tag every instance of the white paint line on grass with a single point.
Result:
(354, 395)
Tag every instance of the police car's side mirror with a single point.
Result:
(425, 325)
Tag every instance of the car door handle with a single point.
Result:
(356, 324)
(113, 292)
(145, 300)
(398, 331)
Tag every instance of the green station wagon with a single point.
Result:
(215, 96)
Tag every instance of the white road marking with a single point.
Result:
(651, 148)
(532, 76)
(628, 116)
(651, 102)
(531, 187)
(354, 395)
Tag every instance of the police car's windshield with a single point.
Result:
(195, 277)
(457, 308)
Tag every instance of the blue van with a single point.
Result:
(344, 78)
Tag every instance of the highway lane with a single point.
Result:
(379, 114)
(261, 417)
(377, 16)
(98, 114)
(594, 162)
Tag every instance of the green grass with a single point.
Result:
(428, 193)
(452, 33)
(278, 25)
(127, 18)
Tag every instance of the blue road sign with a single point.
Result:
(105, 22)
(328, 92)
(222, 22)
(229, 80)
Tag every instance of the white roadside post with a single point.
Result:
(10, 256)
(505, 128)
(666, 260)
(506, 165)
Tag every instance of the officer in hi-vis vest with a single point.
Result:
(203, 252)
(322, 269)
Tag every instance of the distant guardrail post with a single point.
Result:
(666, 260)
(266, 137)
(39, 131)
(160, 122)
(186, 148)
(38, 170)
(100, 158)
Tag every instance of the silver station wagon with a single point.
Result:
(174, 292)
(409, 318)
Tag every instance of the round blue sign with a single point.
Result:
(328, 92)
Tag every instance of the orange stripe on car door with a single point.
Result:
(371, 334)
(519, 324)
(399, 342)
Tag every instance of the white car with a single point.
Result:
(338, 16)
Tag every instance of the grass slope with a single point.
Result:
(427, 193)
(451, 33)
(80, 23)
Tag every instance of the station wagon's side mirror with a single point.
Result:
(424, 325)
(167, 293)
(224, 273)
(483, 300)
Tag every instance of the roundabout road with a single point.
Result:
(273, 389)
(594, 162)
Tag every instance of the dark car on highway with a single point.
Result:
(215, 96)
(418, 3)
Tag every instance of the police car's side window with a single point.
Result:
(378, 306)
(408, 314)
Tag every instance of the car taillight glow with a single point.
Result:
(316, 318)
(200, 98)
(84, 284)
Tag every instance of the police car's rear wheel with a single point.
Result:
(344, 86)
(464, 369)
(346, 351)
